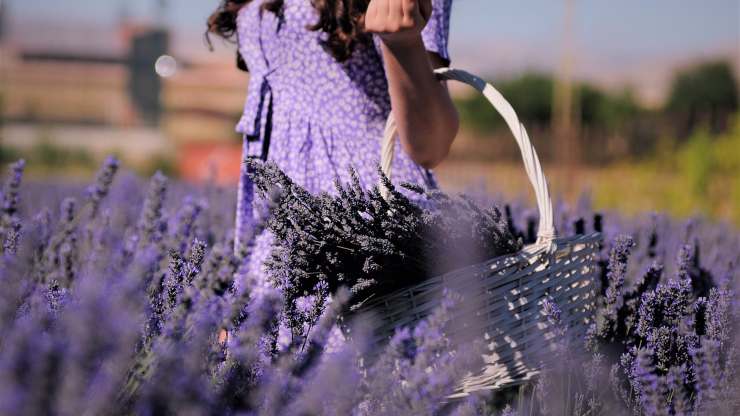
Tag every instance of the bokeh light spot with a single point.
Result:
(166, 66)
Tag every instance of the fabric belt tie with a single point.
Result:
(256, 144)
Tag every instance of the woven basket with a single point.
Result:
(504, 293)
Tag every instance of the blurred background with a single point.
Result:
(632, 102)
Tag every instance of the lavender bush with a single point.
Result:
(118, 298)
(664, 336)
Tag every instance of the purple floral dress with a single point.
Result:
(313, 116)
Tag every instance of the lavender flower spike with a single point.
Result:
(617, 270)
(97, 192)
(11, 193)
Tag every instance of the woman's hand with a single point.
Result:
(425, 115)
(398, 22)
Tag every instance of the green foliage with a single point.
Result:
(602, 109)
(532, 97)
(726, 162)
(705, 153)
(161, 163)
(707, 87)
(50, 156)
(703, 96)
(530, 94)
(727, 149)
(696, 161)
(710, 166)
(8, 155)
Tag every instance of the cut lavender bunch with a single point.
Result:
(372, 245)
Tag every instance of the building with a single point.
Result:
(109, 98)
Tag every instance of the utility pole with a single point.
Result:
(4, 32)
(3, 20)
(565, 122)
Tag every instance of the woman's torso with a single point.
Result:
(320, 116)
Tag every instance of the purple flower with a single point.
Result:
(97, 192)
(652, 389)
(11, 190)
(185, 223)
(12, 236)
(718, 315)
(617, 270)
(10, 224)
(152, 225)
(94, 323)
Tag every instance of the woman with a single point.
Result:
(324, 75)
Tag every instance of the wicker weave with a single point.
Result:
(502, 296)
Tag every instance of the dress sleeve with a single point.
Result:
(437, 31)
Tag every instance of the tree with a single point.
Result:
(529, 94)
(706, 94)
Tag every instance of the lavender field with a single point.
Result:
(119, 297)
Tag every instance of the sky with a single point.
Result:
(613, 41)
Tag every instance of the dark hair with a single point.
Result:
(341, 20)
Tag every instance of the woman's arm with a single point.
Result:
(425, 115)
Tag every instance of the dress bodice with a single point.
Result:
(317, 117)
(289, 66)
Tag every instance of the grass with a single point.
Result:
(700, 175)
(629, 188)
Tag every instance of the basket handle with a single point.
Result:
(546, 230)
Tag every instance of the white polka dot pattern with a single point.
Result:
(319, 116)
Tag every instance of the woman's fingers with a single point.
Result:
(396, 11)
(372, 11)
(410, 12)
(381, 13)
(395, 16)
